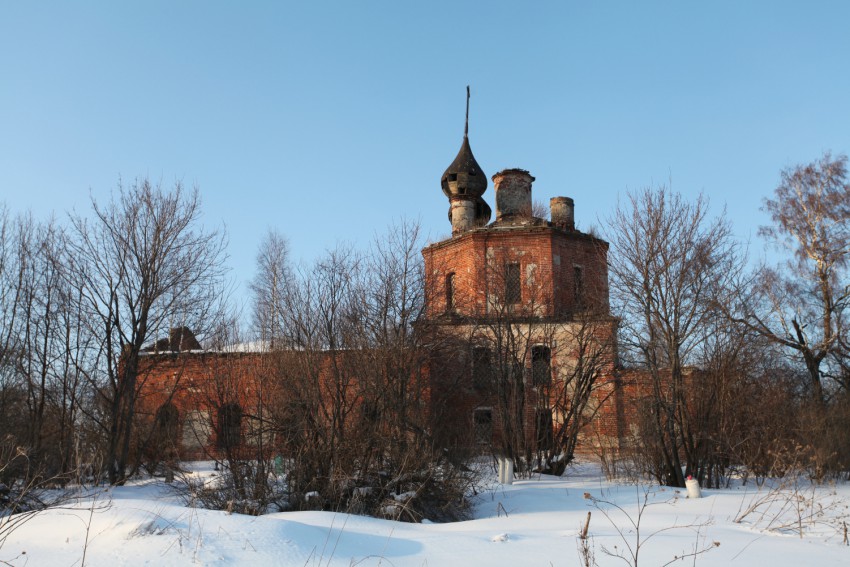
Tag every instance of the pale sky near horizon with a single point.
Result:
(330, 120)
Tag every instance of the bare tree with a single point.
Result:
(351, 406)
(670, 262)
(802, 305)
(52, 346)
(8, 291)
(540, 210)
(316, 377)
(269, 287)
(580, 388)
(41, 348)
(43, 345)
(507, 334)
(144, 264)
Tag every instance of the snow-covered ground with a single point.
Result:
(532, 522)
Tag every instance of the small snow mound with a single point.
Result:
(500, 537)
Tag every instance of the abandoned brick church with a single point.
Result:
(528, 296)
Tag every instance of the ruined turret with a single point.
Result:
(513, 194)
(563, 212)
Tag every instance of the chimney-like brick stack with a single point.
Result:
(562, 210)
(513, 194)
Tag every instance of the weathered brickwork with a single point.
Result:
(198, 385)
(247, 389)
(543, 282)
(561, 272)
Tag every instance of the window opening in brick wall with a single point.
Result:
(482, 420)
(481, 368)
(541, 365)
(450, 291)
(513, 288)
(165, 435)
(578, 286)
(229, 425)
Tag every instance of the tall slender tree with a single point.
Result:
(270, 287)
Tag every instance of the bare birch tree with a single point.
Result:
(269, 288)
(802, 305)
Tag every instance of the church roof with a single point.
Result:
(464, 178)
(466, 171)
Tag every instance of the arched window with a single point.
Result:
(229, 425)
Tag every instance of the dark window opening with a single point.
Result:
(229, 426)
(166, 426)
(578, 286)
(541, 365)
(483, 426)
(481, 368)
(513, 289)
(544, 429)
(450, 292)
(461, 190)
(452, 176)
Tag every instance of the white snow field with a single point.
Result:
(533, 522)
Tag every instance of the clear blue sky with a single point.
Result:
(330, 120)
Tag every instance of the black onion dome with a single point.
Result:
(471, 181)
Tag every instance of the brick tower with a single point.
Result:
(523, 296)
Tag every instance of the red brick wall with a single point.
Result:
(198, 384)
(551, 255)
